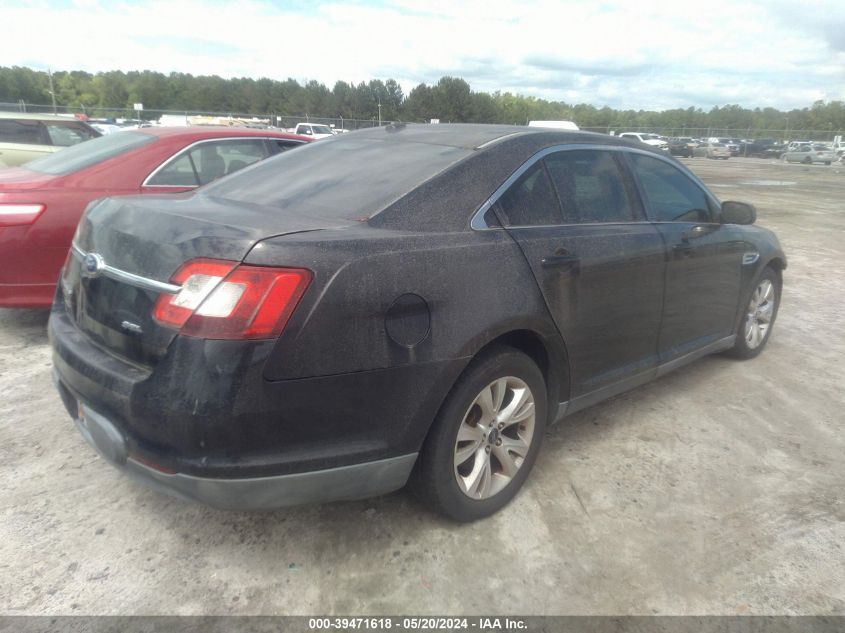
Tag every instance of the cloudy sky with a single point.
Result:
(651, 55)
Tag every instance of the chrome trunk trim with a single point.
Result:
(129, 278)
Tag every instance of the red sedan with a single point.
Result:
(41, 202)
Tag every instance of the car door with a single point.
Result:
(704, 257)
(204, 161)
(599, 265)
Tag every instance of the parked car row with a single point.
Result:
(297, 326)
(722, 147)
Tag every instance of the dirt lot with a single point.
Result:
(717, 489)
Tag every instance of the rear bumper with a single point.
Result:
(204, 424)
(26, 295)
(29, 267)
(356, 481)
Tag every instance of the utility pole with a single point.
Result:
(52, 92)
(379, 112)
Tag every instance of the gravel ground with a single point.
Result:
(715, 490)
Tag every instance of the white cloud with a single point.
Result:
(631, 55)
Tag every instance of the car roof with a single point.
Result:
(29, 116)
(476, 136)
(214, 131)
(494, 153)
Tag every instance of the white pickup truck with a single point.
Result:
(314, 130)
(649, 139)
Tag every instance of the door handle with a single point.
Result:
(697, 231)
(563, 260)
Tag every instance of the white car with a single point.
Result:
(25, 137)
(810, 153)
(645, 137)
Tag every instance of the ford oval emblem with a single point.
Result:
(93, 264)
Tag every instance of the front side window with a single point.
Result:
(590, 187)
(208, 161)
(672, 195)
(530, 201)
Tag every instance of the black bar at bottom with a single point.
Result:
(484, 624)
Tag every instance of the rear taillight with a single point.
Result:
(18, 214)
(222, 300)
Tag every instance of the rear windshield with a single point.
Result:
(339, 178)
(89, 153)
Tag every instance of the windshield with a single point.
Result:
(339, 178)
(321, 129)
(89, 153)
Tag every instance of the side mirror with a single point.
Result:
(738, 213)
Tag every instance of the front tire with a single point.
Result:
(760, 314)
(485, 438)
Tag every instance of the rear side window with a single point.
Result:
(279, 145)
(180, 172)
(25, 132)
(590, 186)
(530, 201)
(67, 134)
(208, 161)
(672, 195)
(89, 153)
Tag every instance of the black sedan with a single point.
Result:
(682, 146)
(408, 302)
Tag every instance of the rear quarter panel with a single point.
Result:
(476, 286)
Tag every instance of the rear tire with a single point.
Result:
(761, 310)
(485, 438)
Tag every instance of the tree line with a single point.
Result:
(449, 99)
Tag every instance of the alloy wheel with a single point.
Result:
(494, 437)
(760, 312)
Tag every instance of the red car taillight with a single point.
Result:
(222, 300)
(18, 214)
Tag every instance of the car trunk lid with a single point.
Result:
(18, 179)
(143, 241)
